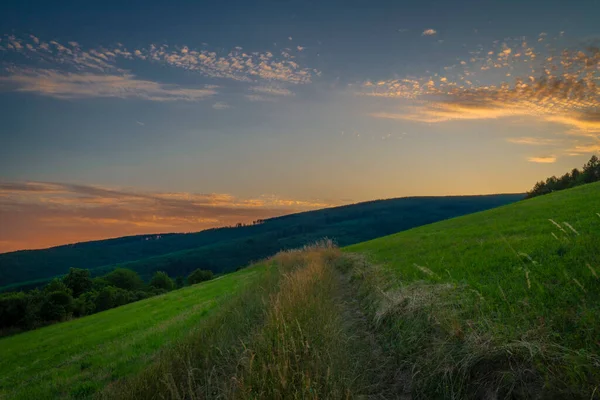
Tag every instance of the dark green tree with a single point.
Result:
(13, 307)
(161, 280)
(56, 285)
(85, 304)
(199, 275)
(105, 299)
(125, 279)
(57, 307)
(78, 280)
(179, 282)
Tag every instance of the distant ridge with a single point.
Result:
(225, 249)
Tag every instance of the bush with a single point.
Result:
(200, 275)
(13, 307)
(124, 278)
(161, 280)
(56, 285)
(78, 280)
(85, 304)
(57, 307)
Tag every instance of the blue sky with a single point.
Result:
(279, 106)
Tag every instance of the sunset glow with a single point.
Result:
(119, 122)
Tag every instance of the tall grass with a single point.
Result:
(291, 336)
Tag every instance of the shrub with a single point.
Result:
(200, 275)
(161, 280)
(85, 304)
(57, 307)
(124, 278)
(78, 280)
(12, 309)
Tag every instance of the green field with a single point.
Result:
(76, 358)
(517, 284)
(499, 304)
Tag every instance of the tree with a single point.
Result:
(125, 279)
(591, 170)
(12, 309)
(85, 304)
(56, 285)
(161, 280)
(57, 307)
(78, 280)
(590, 173)
(105, 299)
(199, 275)
(179, 282)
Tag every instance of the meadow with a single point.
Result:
(503, 303)
(78, 357)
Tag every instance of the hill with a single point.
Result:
(505, 301)
(225, 249)
(502, 303)
(76, 358)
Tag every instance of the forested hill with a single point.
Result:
(225, 249)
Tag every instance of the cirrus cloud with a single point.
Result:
(64, 85)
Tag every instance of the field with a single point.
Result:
(78, 357)
(503, 303)
(515, 288)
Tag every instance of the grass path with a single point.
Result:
(302, 335)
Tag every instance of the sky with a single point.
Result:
(121, 118)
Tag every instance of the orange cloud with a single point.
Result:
(533, 141)
(39, 214)
(543, 160)
(563, 90)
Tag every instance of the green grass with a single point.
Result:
(79, 357)
(295, 335)
(498, 304)
(504, 293)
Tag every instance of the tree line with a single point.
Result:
(77, 294)
(589, 174)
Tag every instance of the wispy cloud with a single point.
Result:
(72, 71)
(558, 89)
(589, 148)
(258, 97)
(220, 105)
(543, 159)
(63, 85)
(533, 141)
(236, 64)
(37, 214)
(272, 90)
(429, 32)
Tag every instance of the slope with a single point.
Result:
(76, 358)
(504, 301)
(225, 249)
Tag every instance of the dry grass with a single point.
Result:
(291, 336)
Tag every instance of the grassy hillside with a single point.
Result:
(226, 249)
(499, 304)
(506, 300)
(76, 358)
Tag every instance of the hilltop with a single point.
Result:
(225, 249)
